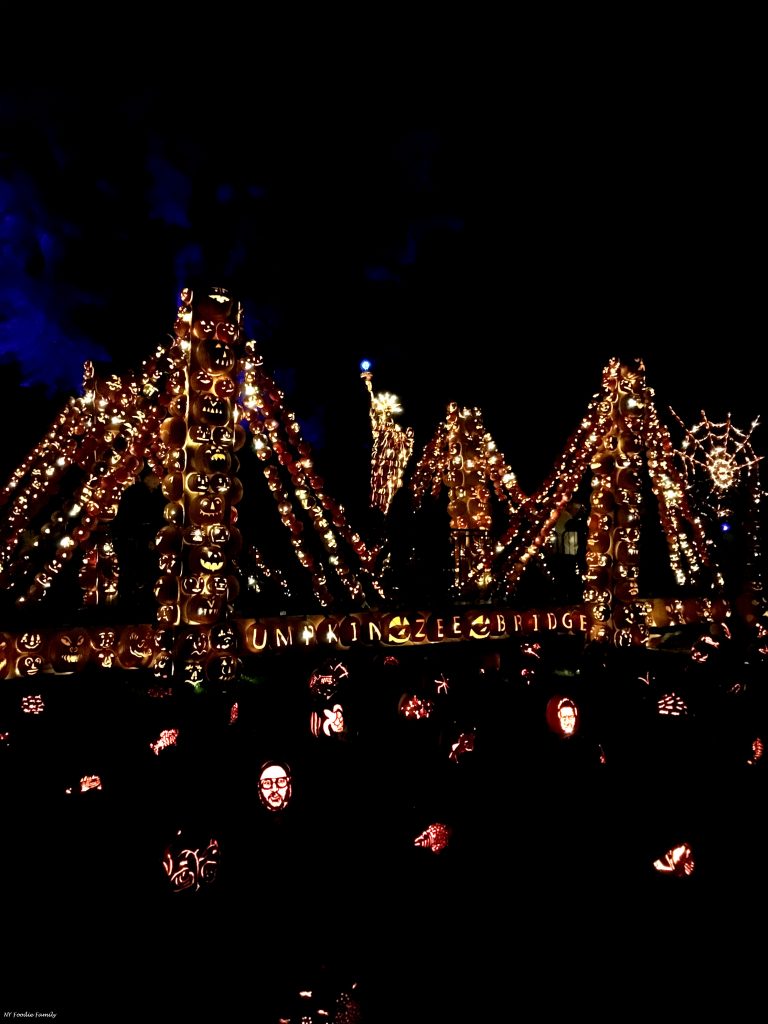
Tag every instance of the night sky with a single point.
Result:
(493, 253)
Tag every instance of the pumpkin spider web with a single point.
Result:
(720, 454)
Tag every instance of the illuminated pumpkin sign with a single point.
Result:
(188, 869)
(275, 785)
(434, 837)
(411, 706)
(33, 704)
(678, 861)
(672, 704)
(167, 738)
(563, 716)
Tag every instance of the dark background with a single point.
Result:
(493, 243)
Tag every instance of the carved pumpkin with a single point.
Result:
(69, 650)
(562, 716)
(188, 868)
(275, 786)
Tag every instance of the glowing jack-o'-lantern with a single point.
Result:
(672, 704)
(411, 706)
(677, 861)
(757, 751)
(167, 738)
(211, 459)
(211, 409)
(32, 704)
(188, 869)
(562, 716)
(29, 665)
(223, 669)
(89, 783)
(207, 558)
(69, 650)
(223, 637)
(206, 508)
(435, 837)
(465, 744)
(325, 681)
(331, 721)
(275, 785)
(135, 648)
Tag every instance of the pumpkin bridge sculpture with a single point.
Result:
(179, 428)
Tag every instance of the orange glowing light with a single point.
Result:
(463, 745)
(757, 750)
(434, 837)
(672, 704)
(188, 869)
(412, 706)
(677, 861)
(33, 704)
(167, 738)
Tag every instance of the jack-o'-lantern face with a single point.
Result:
(211, 409)
(188, 869)
(225, 437)
(226, 332)
(30, 641)
(202, 610)
(3, 657)
(203, 380)
(200, 433)
(216, 357)
(225, 387)
(168, 563)
(135, 647)
(197, 483)
(219, 483)
(212, 459)
(219, 534)
(69, 651)
(194, 644)
(193, 584)
(224, 669)
(203, 329)
(207, 558)
(193, 673)
(223, 637)
(275, 786)
(206, 508)
(29, 665)
(105, 639)
(163, 667)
